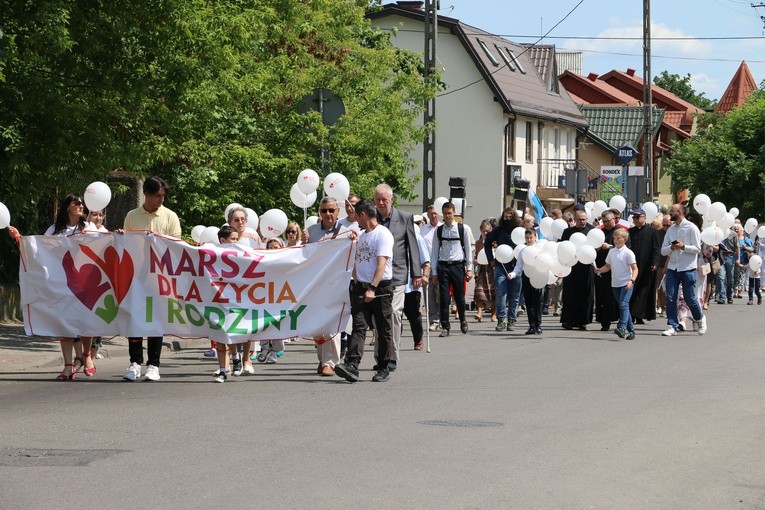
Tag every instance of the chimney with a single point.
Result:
(630, 72)
(592, 76)
(411, 5)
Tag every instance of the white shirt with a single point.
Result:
(70, 230)
(620, 260)
(451, 251)
(373, 244)
(689, 235)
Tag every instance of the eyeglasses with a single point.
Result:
(75, 202)
(327, 210)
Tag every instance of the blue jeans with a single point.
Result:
(507, 293)
(725, 279)
(673, 281)
(622, 296)
(754, 287)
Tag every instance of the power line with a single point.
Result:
(713, 59)
(601, 38)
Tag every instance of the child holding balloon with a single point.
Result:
(532, 295)
(754, 270)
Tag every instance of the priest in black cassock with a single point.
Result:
(645, 242)
(578, 291)
(606, 307)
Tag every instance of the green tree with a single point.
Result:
(726, 159)
(681, 87)
(204, 93)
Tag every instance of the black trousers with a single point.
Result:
(362, 313)
(454, 275)
(413, 314)
(533, 298)
(153, 349)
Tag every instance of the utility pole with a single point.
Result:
(647, 96)
(755, 6)
(429, 117)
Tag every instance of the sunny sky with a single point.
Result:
(710, 37)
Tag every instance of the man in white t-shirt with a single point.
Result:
(371, 294)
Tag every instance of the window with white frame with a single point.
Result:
(510, 140)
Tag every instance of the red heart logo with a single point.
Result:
(85, 283)
(118, 271)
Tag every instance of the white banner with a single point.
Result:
(142, 284)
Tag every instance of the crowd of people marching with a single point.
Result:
(643, 269)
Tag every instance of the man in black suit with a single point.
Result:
(406, 260)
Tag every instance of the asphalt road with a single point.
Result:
(568, 419)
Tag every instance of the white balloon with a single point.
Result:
(701, 203)
(301, 199)
(311, 220)
(599, 207)
(750, 225)
(482, 259)
(617, 202)
(551, 248)
(229, 207)
(590, 216)
(734, 211)
(196, 232)
(337, 186)
(558, 226)
(726, 221)
(651, 211)
(438, 204)
(518, 235)
(518, 249)
(209, 235)
(595, 238)
(755, 263)
(540, 244)
(560, 270)
(543, 262)
(567, 253)
(539, 279)
(273, 223)
(716, 211)
(308, 181)
(578, 239)
(530, 255)
(589, 206)
(761, 232)
(5, 216)
(503, 253)
(252, 219)
(712, 235)
(586, 254)
(97, 196)
(545, 226)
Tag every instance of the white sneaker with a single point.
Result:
(220, 377)
(133, 372)
(669, 332)
(703, 325)
(435, 326)
(152, 373)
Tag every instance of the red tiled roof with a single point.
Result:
(674, 118)
(592, 90)
(738, 89)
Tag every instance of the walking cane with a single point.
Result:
(427, 320)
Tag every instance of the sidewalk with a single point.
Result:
(22, 352)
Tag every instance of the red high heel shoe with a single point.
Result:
(67, 377)
(88, 371)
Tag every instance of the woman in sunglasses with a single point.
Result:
(292, 234)
(70, 220)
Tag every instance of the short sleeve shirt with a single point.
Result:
(620, 260)
(373, 244)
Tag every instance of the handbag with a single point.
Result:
(715, 266)
(705, 268)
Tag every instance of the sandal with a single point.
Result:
(88, 371)
(77, 365)
(67, 377)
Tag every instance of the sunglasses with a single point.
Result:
(76, 202)
(292, 231)
(327, 210)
